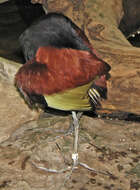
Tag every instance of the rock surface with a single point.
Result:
(109, 146)
(37, 142)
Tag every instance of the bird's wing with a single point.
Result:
(70, 68)
(73, 99)
(56, 70)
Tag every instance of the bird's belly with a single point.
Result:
(73, 99)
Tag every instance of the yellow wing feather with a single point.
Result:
(71, 99)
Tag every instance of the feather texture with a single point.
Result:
(73, 99)
(55, 70)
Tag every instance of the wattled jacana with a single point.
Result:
(62, 70)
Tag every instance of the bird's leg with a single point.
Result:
(76, 118)
(76, 134)
(71, 128)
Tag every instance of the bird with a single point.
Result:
(62, 69)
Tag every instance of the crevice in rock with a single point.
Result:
(116, 115)
(15, 17)
(130, 22)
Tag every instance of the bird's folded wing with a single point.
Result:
(57, 70)
(73, 99)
